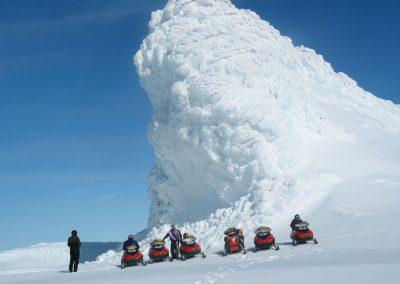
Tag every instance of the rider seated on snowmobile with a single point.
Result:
(229, 232)
(296, 220)
(233, 232)
(130, 244)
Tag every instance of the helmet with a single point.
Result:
(74, 232)
(297, 217)
(172, 227)
(130, 237)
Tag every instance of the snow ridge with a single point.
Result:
(40, 257)
(236, 108)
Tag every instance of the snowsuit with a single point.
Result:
(130, 242)
(74, 244)
(175, 238)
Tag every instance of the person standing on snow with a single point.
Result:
(74, 244)
(175, 238)
(130, 242)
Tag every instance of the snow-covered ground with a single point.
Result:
(248, 130)
(358, 243)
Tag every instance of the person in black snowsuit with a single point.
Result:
(175, 238)
(74, 244)
(296, 220)
(129, 242)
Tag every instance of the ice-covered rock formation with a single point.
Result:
(240, 118)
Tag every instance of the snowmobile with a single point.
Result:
(190, 248)
(158, 252)
(264, 239)
(233, 243)
(132, 257)
(302, 234)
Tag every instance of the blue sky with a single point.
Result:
(73, 118)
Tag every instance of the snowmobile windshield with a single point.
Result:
(131, 249)
(189, 242)
(262, 229)
(157, 246)
(303, 226)
(263, 234)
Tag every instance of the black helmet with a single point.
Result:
(297, 217)
(74, 232)
(130, 237)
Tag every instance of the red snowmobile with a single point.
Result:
(233, 242)
(132, 257)
(190, 248)
(158, 252)
(264, 239)
(302, 234)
